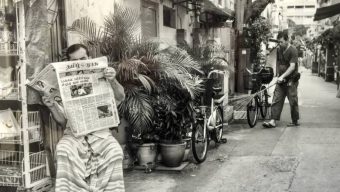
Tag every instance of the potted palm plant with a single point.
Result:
(146, 69)
(175, 118)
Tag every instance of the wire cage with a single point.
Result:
(34, 127)
(12, 168)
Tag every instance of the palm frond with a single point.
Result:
(137, 109)
(129, 69)
(211, 56)
(147, 82)
(121, 28)
(88, 29)
(177, 67)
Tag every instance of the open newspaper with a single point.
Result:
(82, 90)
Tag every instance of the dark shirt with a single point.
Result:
(285, 57)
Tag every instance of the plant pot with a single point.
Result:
(146, 154)
(187, 148)
(172, 154)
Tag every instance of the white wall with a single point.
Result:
(96, 10)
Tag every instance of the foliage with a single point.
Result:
(173, 121)
(210, 55)
(329, 38)
(291, 23)
(255, 8)
(300, 30)
(148, 70)
(257, 33)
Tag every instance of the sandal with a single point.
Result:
(293, 124)
(268, 125)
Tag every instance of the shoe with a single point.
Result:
(293, 124)
(268, 125)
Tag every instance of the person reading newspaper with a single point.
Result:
(92, 162)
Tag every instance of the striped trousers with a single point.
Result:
(89, 163)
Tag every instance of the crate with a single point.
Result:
(34, 127)
(240, 114)
(11, 168)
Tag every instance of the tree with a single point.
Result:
(254, 9)
(291, 23)
(300, 30)
(256, 34)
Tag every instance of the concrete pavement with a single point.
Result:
(296, 159)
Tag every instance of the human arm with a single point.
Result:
(110, 75)
(292, 65)
(289, 71)
(56, 111)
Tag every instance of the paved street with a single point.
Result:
(303, 159)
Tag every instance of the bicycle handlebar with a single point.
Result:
(255, 73)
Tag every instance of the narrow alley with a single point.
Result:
(304, 158)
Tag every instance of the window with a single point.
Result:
(299, 7)
(290, 7)
(310, 6)
(169, 17)
(149, 19)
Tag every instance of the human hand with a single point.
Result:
(47, 101)
(110, 73)
(280, 80)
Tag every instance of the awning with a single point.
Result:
(326, 12)
(210, 7)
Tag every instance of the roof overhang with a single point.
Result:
(326, 12)
(210, 7)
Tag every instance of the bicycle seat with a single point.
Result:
(218, 99)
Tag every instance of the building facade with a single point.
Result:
(300, 11)
(171, 21)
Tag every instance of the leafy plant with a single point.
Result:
(257, 33)
(210, 55)
(148, 70)
(174, 118)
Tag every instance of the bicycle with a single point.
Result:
(259, 81)
(208, 125)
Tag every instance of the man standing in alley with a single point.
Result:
(287, 82)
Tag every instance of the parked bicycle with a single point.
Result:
(258, 84)
(209, 124)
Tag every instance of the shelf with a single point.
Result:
(9, 94)
(34, 126)
(12, 163)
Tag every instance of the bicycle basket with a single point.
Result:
(266, 75)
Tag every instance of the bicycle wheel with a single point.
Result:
(263, 104)
(218, 131)
(252, 109)
(199, 142)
